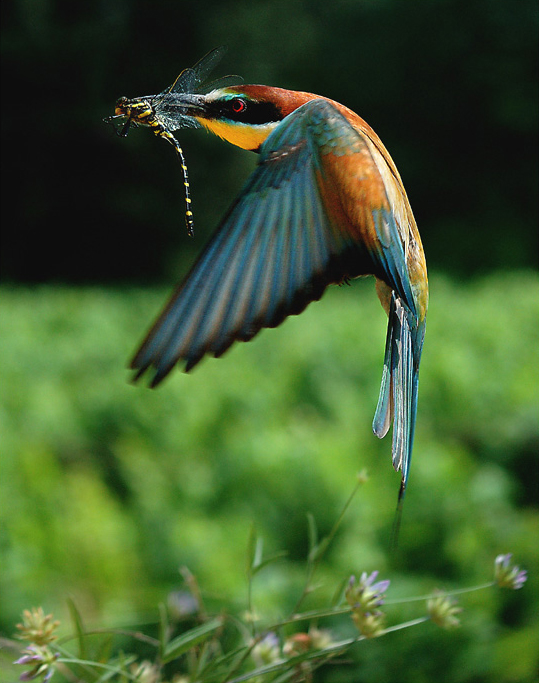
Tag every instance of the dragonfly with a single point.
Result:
(162, 113)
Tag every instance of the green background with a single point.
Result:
(108, 488)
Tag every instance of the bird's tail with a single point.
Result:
(398, 392)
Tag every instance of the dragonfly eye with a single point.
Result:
(121, 107)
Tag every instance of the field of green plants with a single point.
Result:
(109, 489)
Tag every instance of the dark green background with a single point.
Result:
(449, 85)
(107, 488)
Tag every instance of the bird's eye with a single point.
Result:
(238, 106)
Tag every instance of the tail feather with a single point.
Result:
(384, 409)
(397, 402)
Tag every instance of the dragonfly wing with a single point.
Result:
(190, 79)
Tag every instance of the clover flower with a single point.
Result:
(297, 644)
(320, 638)
(267, 650)
(145, 672)
(37, 627)
(508, 575)
(443, 610)
(42, 660)
(365, 597)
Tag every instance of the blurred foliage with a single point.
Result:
(449, 85)
(108, 488)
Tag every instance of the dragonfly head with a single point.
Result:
(133, 109)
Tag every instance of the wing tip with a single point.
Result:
(159, 372)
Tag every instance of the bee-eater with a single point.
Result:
(324, 204)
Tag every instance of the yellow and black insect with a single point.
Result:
(163, 113)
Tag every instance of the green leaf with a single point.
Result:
(104, 651)
(254, 550)
(114, 670)
(78, 627)
(178, 646)
(163, 630)
(318, 551)
(312, 531)
(268, 560)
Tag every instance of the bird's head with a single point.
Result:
(242, 114)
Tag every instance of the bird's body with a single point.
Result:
(325, 204)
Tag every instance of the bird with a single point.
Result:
(325, 204)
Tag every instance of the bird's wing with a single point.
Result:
(282, 242)
(361, 191)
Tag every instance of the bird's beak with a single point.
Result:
(189, 104)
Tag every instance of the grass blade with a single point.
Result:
(178, 646)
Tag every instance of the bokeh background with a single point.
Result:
(108, 488)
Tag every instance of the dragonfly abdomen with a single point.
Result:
(140, 111)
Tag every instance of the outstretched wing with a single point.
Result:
(284, 240)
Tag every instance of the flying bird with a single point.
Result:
(325, 204)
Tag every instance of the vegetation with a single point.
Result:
(146, 515)
(200, 653)
(108, 488)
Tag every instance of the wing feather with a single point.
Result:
(278, 247)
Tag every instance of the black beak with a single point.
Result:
(184, 104)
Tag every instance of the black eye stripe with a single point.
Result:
(252, 112)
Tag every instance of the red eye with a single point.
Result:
(238, 106)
